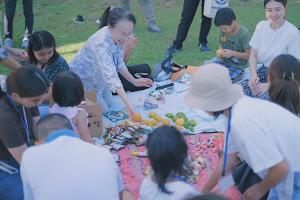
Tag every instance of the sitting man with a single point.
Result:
(65, 167)
(234, 40)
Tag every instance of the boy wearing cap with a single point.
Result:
(265, 135)
(234, 49)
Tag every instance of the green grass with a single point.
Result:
(56, 16)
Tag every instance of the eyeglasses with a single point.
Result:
(124, 36)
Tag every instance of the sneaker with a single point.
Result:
(98, 21)
(204, 47)
(173, 49)
(8, 42)
(154, 28)
(25, 43)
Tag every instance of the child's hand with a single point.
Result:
(219, 53)
(226, 53)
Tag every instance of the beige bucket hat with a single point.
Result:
(212, 90)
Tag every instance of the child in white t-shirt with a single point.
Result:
(68, 93)
(167, 152)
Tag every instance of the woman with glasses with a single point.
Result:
(101, 58)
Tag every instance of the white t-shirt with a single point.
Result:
(181, 190)
(68, 168)
(264, 134)
(270, 43)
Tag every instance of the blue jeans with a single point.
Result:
(11, 187)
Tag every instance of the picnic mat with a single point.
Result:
(173, 103)
(133, 168)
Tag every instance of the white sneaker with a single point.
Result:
(25, 43)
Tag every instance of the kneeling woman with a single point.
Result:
(22, 91)
(102, 57)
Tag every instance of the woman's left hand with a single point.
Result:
(143, 82)
(255, 192)
(131, 42)
(260, 89)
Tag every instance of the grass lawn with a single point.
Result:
(56, 17)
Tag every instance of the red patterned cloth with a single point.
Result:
(133, 168)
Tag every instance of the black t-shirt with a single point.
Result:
(12, 130)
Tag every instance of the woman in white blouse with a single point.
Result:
(101, 58)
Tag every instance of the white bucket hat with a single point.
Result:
(212, 90)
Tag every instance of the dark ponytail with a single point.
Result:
(111, 16)
(284, 75)
(167, 152)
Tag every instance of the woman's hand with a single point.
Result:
(253, 82)
(131, 42)
(20, 54)
(255, 192)
(260, 88)
(143, 82)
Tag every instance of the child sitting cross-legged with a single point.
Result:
(168, 156)
(234, 49)
(68, 93)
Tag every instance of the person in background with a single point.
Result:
(20, 93)
(271, 38)
(61, 166)
(188, 13)
(284, 78)
(98, 62)
(10, 9)
(147, 9)
(68, 93)
(168, 156)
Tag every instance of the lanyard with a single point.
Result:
(226, 143)
(23, 118)
(179, 178)
(65, 132)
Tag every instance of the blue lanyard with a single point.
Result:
(65, 132)
(23, 117)
(226, 143)
(179, 178)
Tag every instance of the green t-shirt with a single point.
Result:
(239, 43)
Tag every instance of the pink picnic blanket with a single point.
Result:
(133, 168)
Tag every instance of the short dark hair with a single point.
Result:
(51, 122)
(224, 16)
(111, 16)
(167, 152)
(67, 89)
(27, 81)
(283, 2)
(284, 76)
(39, 40)
(208, 197)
